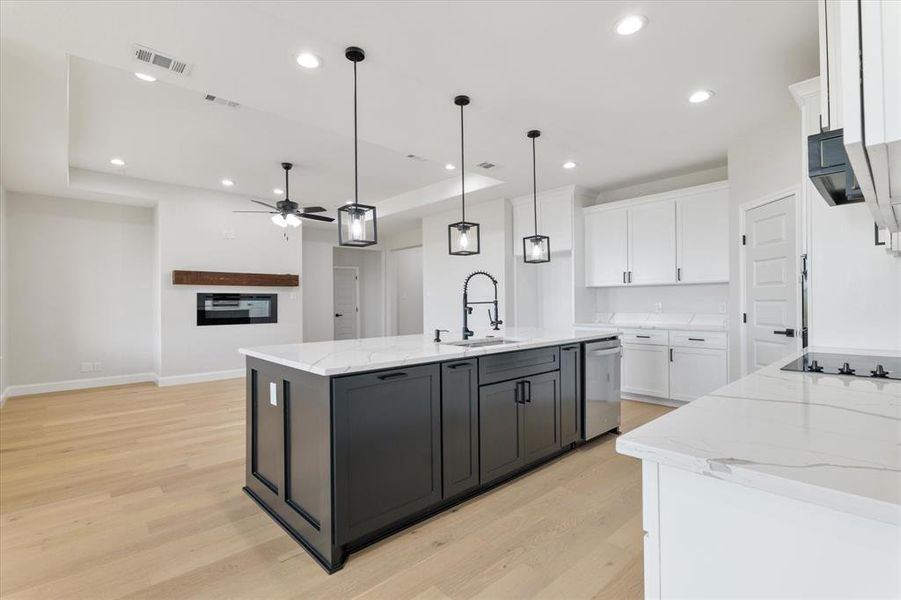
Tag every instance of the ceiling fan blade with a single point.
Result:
(264, 204)
(316, 217)
(311, 209)
(268, 212)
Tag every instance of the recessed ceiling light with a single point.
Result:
(700, 96)
(630, 24)
(228, 182)
(117, 162)
(449, 167)
(145, 77)
(569, 165)
(278, 191)
(308, 60)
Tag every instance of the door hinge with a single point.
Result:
(744, 240)
(744, 317)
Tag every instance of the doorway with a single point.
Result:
(771, 288)
(346, 282)
(407, 264)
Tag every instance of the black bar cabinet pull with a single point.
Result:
(459, 365)
(695, 339)
(527, 387)
(390, 376)
(671, 355)
(678, 274)
(644, 337)
(569, 348)
(624, 277)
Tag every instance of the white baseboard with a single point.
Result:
(4, 394)
(76, 384)
(199, 377)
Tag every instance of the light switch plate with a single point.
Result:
(658, 307)
(722, 308)
(273, 393)
(87, 367)
(98, 366)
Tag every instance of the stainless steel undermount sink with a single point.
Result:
(482, 342)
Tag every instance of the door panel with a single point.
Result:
(652, 242)
(606, 247)
(695, 372)
(460, 426)
(541, 416)
(771, 282)
(346, 299)
(500, 443)
(387, 448)
(646, 370)
(267, 453)
(702, 237)
(570, 394)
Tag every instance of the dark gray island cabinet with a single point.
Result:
(342, 461)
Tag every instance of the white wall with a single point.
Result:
(316, 283)
(4, 298)
(701, 298)
(81, 273)
(198, 231)
(407, 283)
(443, 274)
(665, 184)
(372, 287)
(763, 161)
(394, 244)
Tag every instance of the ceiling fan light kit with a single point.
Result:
(463, 238)
(356, 222)
(535, 248)
(287, 212)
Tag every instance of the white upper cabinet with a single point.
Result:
(555, 218)
(677, 237)
(652, 243)
(606, 246)
(702, 236)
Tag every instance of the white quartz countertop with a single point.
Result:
(830, 440)
(686, 321)
(351, 356)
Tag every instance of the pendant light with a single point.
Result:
(462, 236)
(535, 248)
(356, 222)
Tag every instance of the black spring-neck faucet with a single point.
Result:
(467, 305)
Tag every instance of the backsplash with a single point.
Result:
(705, 298)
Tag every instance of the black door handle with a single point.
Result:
(390, 376)
(787, 332)
(338, 315)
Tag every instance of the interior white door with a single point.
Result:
(347, 298)
(772, 282)
(408, 270)
(606, 247)
(702, 237)
(652, 243)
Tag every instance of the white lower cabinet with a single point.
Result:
(694, 372)
(646, 370)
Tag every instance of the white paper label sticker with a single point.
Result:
(273, 393)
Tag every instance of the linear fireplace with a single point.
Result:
(236, 309)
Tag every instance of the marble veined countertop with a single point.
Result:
(689, 321)
(830, 440)
(367, 354)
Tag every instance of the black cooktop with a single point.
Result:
(854, 365)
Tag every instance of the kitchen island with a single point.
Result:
(349, 441)
(781, 484)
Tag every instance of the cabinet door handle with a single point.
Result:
(569, 348)
(518, 393)
(527, 385)
(459, 365)
(671, 355)
(630, 276)
(678, 274)
(644, 337)
(695, 339)
(391, 376)
(624, 277)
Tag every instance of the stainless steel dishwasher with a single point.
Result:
(601, 392)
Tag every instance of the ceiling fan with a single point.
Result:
(287, 212)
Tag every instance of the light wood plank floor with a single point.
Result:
(135, 492)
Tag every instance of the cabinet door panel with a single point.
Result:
(695, 372)
(500, 442)
(460, 426)
(652, 243)
(702, 237)
(266, 434)
(387, 448)
(541, 416)
(646, 370)
(570, 394)
(606, 247)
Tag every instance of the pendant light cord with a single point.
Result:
(534, 190)
(462, 167)
(356, 171)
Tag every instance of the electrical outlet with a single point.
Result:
(658, 307)
(98, 366)
(86, 367)
(722, 308)
(228, 234)
(293, 296)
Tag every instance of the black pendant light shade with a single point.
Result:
(463, 236)
(535, 248)
(356, 222)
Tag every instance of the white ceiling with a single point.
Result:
(616, 105)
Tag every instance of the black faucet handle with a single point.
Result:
(438, 333)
